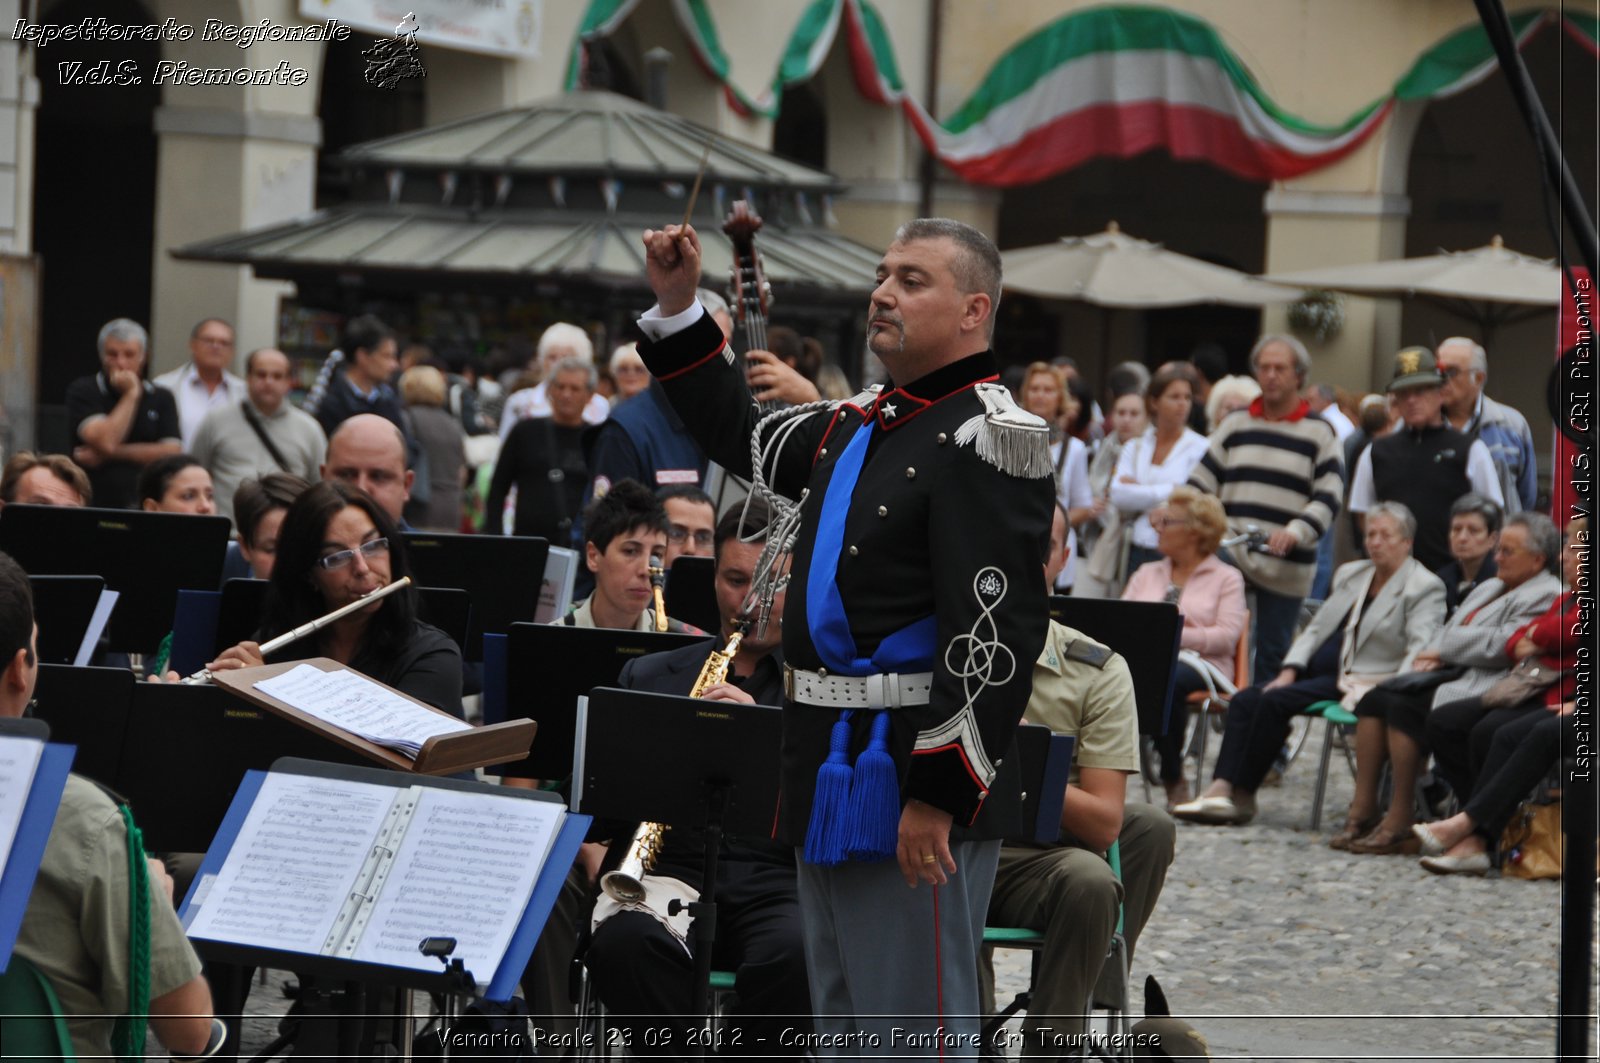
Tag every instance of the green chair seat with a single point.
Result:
(1016, 937)
(722, 981)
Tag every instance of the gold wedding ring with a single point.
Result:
(929, 859)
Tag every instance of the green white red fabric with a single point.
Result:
(1103, 82)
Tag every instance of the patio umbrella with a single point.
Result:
(1112, 269)
(1491, 285)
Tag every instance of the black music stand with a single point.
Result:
(88, 708)
(724, 778)
(502, 573)
(550, 666)
(186, 748)
(1044, 764)
(63, 606)
(244, 600)
(1146, 634)
(691, 593)
(145, 557)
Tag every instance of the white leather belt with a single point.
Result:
(892, 690)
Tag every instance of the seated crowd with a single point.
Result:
(1218, 494)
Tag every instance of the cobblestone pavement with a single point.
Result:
(1277, 947)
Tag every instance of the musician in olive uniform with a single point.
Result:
(914, 614)
(639, 957)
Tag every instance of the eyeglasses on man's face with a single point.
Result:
(368, 550)
(678, 533)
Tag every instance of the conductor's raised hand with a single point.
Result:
(672, 264)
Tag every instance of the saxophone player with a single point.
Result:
(638, 958)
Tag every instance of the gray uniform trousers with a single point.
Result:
(1070, 896)
(889, 965)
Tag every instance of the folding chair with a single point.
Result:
(1219, 692)
(1338, 718)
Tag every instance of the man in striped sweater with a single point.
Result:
(1277, 467)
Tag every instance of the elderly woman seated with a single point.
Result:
(1474, 532)
(1207, 591)
(1492, 756)
(1378, 614)
(1469, 655)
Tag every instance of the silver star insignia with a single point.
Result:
(888, 409)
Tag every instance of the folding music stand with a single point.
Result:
(19, 864)
(691, 594)
(88, 708)
(724, 778)
(548, 668)
(1146, 634)
(453, 981)
(502, 573)
(146, 557)
(63, 607)
(1045, 763)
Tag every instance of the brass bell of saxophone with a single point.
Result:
(625, 885)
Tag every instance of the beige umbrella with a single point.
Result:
(1113, 269)
(1482, 284)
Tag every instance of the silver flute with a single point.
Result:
(274, 645)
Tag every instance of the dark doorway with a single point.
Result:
(94, 194)
(801, 130)
(353, 111)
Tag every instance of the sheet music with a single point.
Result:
(350, 700)
(19, 760)
(293, 863)
(555, 592)
(97, 627)
(465, 870)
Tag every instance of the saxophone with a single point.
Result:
(658, 583)
(625, 885)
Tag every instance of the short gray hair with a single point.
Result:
(576, 365)
(1543, 536)
(1480, 357)
(713, 302)
(122, 328)
(1400, 514)
(564, 334)
(977, 262)
(1472, 502)
(1302, 357)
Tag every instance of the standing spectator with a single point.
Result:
(1324, 403)
(1474, 533)
(370, 359)
(1159, 460)
(628, 371)
(1210, 363)
(207, 382)
(1465, 367)
(543, 459)
(1227, 395)
(1106, 538)
(44, 480)
(1425, 464)
(559, 341)
(260, 433)
(1277, 469)
(439, 434)
(1044, 394)
(122, 421)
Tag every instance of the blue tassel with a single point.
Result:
(826, 834)
(874, 813)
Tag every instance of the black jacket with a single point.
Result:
(933, 534)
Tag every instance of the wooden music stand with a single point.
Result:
(444, 754)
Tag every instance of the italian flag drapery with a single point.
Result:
(1103, 82)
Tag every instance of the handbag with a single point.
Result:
(1532, 843)
(1521, 685)
(1421, 682)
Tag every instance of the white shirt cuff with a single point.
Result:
(658, 327)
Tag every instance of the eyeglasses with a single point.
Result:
(678, 534)
(368, 550)
(1158, 523)
(1451, 372)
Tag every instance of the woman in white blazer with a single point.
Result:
(1378, 615)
